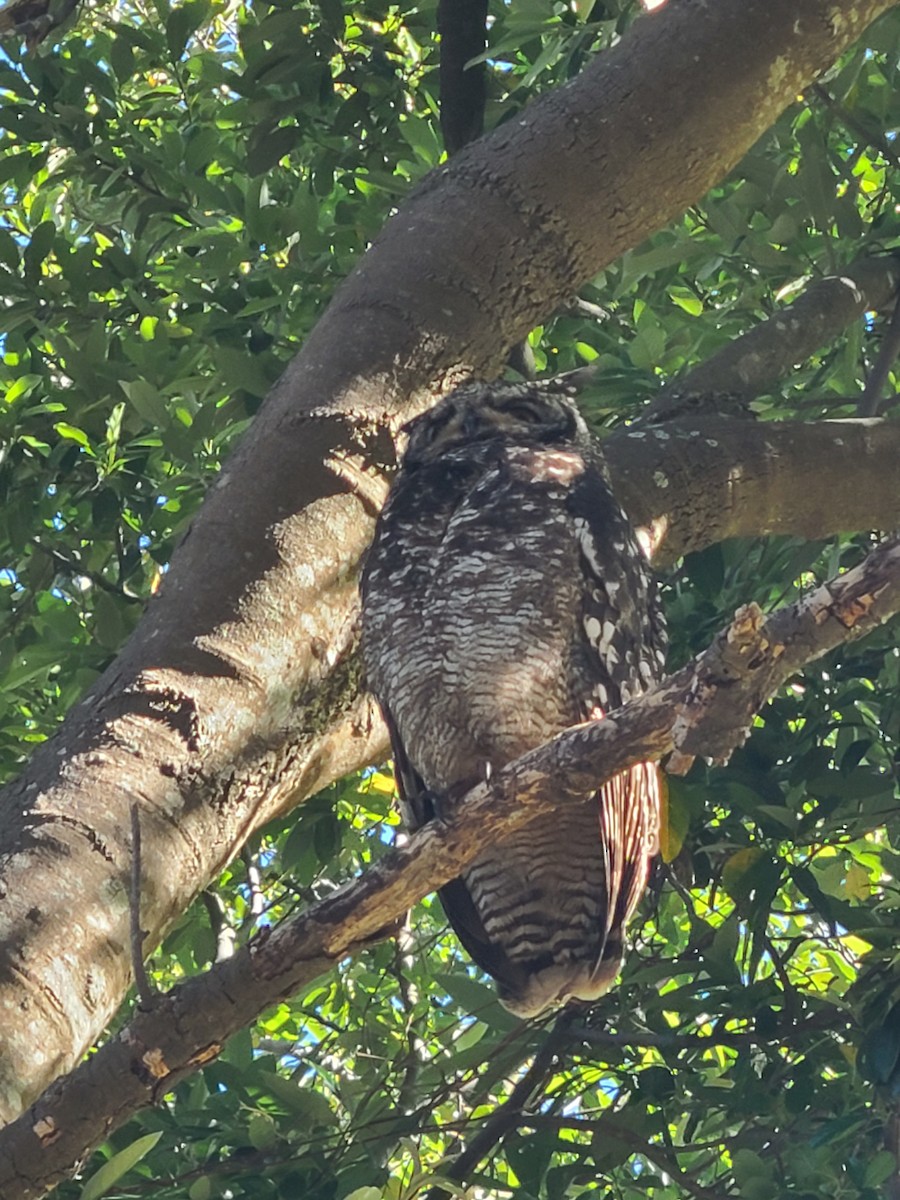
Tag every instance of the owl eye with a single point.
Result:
(432, 421)
(553, 419)
(528, 411)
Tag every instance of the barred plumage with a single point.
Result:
(505, 598)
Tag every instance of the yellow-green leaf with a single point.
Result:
(120, 1164)
(72, 433)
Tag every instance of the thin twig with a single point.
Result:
(75, 570)
(635, 1143)
(695, 1041)
(871, 137)
(254, 883)
(870, 401)
(146, 994)
(224, 934)
(589, 309)
(416, 1052)
(509, 1114)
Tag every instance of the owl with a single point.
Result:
(504, 599)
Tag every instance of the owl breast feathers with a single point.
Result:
(505, 598)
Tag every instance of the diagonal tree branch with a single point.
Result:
(705, 708)
(508, 1115)
(766, 354)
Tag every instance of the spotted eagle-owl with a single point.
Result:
(506, 598)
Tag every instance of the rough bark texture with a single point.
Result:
(705, 708)
(703, 479)
(237, 695)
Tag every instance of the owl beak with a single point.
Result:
(470, 423)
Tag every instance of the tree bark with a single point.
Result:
(461, 25)
(705, 708)
(239, 693)
(701, 480)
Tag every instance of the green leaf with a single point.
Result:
(146, 400)
(267, 148)
(72, 433)
(120, 1164)
(183, 21)
(754, 1176)
(477, 999)
(262, 1132)
(24, 385)
(422, 138)
(39, 247)
(109, 627)
(686, 299)
(306, 1104)
(722, 952)
(880, 1169)
(243, 370)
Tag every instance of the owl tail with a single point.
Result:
(629, 833)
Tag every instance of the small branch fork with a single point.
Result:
(705, 708)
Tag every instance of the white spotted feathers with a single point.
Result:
(505, 598)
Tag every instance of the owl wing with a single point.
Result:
(623, 653)
(412, 560)
(418, 807)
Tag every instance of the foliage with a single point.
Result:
(183, 188)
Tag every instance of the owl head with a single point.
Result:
(536, 413)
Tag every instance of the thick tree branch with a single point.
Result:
(237, 695)
(705, 708)
(701, 480)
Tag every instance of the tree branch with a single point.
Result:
(704, 479)
(766, 354)
(508, 1115)
(705, 708)
(642, 1038)
(609, 1128)
(870, 401)
(870, 137)
(461, 24)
